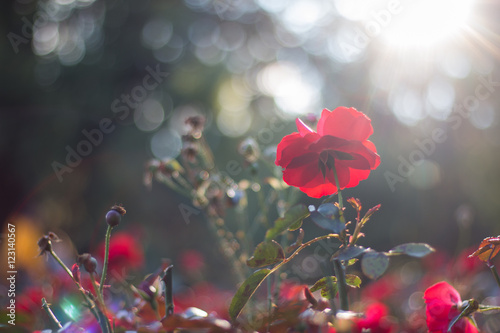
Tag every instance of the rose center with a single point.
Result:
(327, 160)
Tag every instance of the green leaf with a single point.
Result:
(374, 264)
(245, 291)
(266, 253)
(295, 226)
(327, 217)
(417, 250)
(292, 218)
(351, 252)
(353, 280)
(328, 286)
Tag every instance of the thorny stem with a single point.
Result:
(339, 193)
(99, 295)
(103, 322)
(484, 308)
(168, 292)
(341, 283)
(106, 257)
(300, 248)
(169, 300)
(337, 264)
(493, 268)
(50, 314)
(328, 268)
(495, 273)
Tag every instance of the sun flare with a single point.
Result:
(426, 23)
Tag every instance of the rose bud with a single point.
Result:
(88, 262)
(114, 216)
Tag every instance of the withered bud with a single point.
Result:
(75, 270)
(44, 245)
(45, 242)
(250, 150)
(88, 262)
(120, 209)
(196, 122)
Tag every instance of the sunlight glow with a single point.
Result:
(293, 92)
(70, 309)
(425, 23)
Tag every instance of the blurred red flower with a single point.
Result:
(375, 320)
(308, 157)
(125, 253)
(206, 297)
(290, 291)
(383, 288)
(443, 305)
(192, 261)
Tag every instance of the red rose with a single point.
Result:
(443, 305)
(308, 157)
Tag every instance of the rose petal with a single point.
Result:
(302, 171)
(303, 128)
(333, 143)
(320, 190)
(357, 176)
(345, 123)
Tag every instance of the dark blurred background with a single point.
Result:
(426, 73)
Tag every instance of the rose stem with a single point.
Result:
(99, 295)
(103, 322)
(337, 264)
(168, 293)
(492, 267)
(51, 315)
(106, 255)
(495, 273)
(167, 285)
